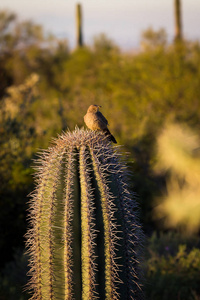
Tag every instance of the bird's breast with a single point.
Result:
(91, 121)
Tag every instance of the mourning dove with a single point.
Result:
(96, 121)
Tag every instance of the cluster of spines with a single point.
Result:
(86, 152)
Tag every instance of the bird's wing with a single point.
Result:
(102, 118)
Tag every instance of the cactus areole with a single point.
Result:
(84, 235)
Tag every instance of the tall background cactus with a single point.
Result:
(178, 20)
(84, 236)
(79, 29)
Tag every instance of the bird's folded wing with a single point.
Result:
(102, 118)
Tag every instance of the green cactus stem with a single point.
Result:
(84, 236)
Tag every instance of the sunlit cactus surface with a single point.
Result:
(84, 235)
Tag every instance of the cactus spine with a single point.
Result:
(84, 234)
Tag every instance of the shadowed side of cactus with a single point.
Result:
(84, 235)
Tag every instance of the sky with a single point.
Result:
(121, 20)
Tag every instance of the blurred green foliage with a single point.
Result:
(172, 268)
(46, 88)
(179, 156)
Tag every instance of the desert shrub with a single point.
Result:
(172, 269)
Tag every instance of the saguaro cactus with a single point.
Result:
(79, 31)
(84, 234)
(178, 21)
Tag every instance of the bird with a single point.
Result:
(95, 120)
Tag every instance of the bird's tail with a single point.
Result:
(110, 136)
